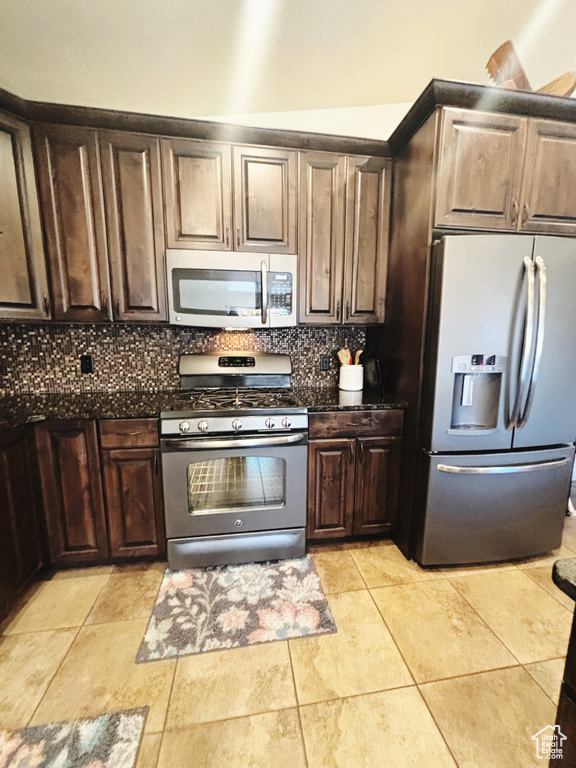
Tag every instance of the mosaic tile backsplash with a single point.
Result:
(46, 358)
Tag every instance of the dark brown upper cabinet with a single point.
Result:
(132, 182)
(198, 194)
(23, 283)
(344, 227)
(367, 231)
(322, 212)
(480, 169)
(265, 193)
(73, 213)
(549, 184)
(220, 197)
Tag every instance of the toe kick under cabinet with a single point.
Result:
(101, 487)
(353, 473)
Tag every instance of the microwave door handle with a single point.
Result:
(264, 272)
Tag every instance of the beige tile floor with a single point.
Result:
(446, 667)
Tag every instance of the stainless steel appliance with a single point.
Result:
(236, 290)
(234, 460)
(500, 384)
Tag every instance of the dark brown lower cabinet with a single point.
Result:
(133, 492)
(353, 480)
(71, 485)
(20, 548)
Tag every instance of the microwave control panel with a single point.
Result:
(280, 293)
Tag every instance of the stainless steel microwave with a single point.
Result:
(231, 289)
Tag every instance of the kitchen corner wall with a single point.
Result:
(46, 358)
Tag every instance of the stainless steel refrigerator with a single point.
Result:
(500, 398)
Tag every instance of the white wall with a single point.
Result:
(375, 122)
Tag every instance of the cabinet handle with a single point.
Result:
(156, 463)
(347, 310)
(238, 236)
(361, 457)
(514, 217)
(104, 302)
(227, 237)
(338, 311)
(46, 304)
(525, 214)
(117, 307)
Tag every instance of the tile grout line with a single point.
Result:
(555, 703)
(544, 588)
(392, 636)
(298, 706)
(440, 731)
(67, 652)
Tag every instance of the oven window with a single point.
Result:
(226, 292)
(235, 483)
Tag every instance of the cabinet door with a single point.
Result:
(265, 192)
(73, 213)
(367, 228)
(330, 488)
(20, 551)
(134, 218)
(134, 503)
(24, 283)
(377, 475)
(480, 170)
(549, 185)
(72, 492)
(321, 252)
(198, 194)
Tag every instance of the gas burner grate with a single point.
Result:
(224, 399)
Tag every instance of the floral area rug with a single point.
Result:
(208, 609)
(108, 741)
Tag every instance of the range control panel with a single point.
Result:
(478, 363)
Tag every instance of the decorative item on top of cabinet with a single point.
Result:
(73, 214)
(353, 473)
(20, 551)
(218, 202)
(71, 487)
(133, 487)
(24, 282)
(549, 183)
(344, 225)
(134, 216)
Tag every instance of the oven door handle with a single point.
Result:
(234, 442)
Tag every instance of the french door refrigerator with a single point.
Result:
(499, 412)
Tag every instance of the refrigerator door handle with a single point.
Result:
(540, 330)
(502, 469)
(525, 353)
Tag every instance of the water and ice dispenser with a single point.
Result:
(476, 394)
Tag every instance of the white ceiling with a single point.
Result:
(194, 58)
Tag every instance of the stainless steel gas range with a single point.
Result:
(234, 458)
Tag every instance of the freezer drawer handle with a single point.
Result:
(501, 470)
(240, 442)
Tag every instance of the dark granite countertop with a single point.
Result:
(564, 576)
(334, 399)
(17, 410)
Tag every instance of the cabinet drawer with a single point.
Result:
(128, 433)
(355, 423)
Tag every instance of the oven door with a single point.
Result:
(223, 485)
